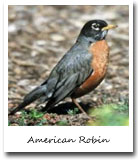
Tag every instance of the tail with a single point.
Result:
(31, 97)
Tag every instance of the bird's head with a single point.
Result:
(96, 29)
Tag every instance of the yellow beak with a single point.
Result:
(110, 26)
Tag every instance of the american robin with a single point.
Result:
(80, 70)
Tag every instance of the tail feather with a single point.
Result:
(31, 97)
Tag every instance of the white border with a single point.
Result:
(15, 138)
(68, 2)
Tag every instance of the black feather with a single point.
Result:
(29, 98)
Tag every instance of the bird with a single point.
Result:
(80, 70)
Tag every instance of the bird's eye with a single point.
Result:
(95, 26)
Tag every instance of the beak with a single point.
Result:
(110, 26)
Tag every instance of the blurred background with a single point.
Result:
(40, 35)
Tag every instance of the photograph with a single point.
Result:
(68, 65)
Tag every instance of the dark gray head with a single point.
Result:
(95, 30)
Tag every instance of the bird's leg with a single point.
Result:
(77, 104)
(80, 108)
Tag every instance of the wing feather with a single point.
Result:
(72, 73)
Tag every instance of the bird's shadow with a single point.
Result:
(65, 107)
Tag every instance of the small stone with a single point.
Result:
(23, 82)
(34, 53)
(57, 37)
(108, 87)
(94, 99)
(17, 71)
(10, 105)
(40, 42)
(18, 113)
(12, 28)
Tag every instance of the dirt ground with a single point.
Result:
(40, 35)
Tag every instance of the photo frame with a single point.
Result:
(68, 138)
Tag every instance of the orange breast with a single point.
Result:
(100, 53)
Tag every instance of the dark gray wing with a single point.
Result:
(69, 74)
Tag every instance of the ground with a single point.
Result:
(39, 36)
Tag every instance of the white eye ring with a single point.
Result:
(95, 26)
